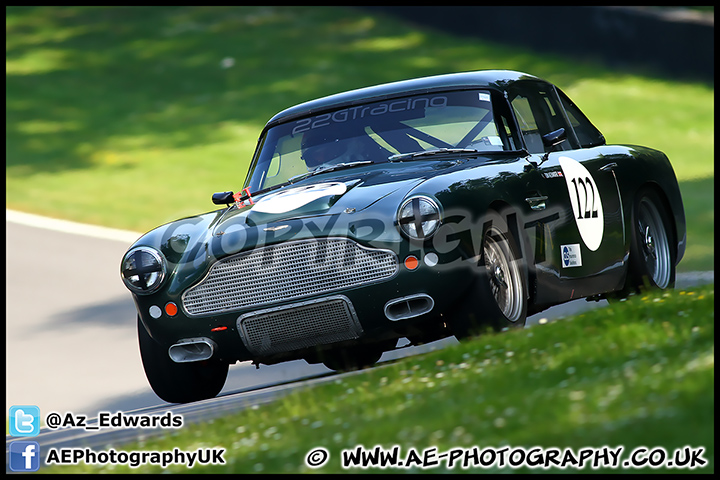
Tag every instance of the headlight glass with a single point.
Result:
(143, 270)
(419, 217)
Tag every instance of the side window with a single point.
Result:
(504, 123)
(526, 123)
(587, 134)
(539, 113)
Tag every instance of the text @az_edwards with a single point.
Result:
(56, 420)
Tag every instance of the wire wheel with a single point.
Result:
(654, 243)
(497, 297)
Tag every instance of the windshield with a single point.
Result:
(374, 132)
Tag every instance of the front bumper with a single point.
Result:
(337, 311)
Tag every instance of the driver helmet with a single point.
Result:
(330, 145)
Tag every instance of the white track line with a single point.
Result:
(66, 226)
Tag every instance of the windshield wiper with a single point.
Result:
(436, 151)
(329, 168)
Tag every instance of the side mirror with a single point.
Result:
(223, 198)
(555, 138)
(552, 140)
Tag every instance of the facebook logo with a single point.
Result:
(24, 420)
(24, 456)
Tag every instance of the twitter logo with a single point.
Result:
(24, 420)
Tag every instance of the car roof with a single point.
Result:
(478, 79)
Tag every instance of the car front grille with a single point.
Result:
(302, 325)
(287, 271)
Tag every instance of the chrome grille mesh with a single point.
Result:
(287, 271)
(303, 325)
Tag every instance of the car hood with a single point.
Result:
(359, 203)
(350, 193)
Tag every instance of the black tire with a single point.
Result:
(179, 382)
(498, 298)
(653, 249)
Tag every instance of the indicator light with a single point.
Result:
(171, 309)
(411, 262)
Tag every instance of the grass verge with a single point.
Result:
(637, 373)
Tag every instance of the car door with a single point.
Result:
(571, 205)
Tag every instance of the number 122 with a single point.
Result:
(591, 212)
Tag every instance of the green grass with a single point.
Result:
(132, 117)
(699, 197)
(636, 373)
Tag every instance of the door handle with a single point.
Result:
(537, 203)
(608, 167)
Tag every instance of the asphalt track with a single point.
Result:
(71, 341)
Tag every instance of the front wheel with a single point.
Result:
(499, 297)
(179, 382)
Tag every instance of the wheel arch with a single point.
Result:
(643, 167)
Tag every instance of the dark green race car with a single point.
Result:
(418, 209)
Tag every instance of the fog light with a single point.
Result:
(431, 259)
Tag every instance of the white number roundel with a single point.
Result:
(585, 200)
(294, 198)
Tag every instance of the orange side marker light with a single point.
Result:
(171, 309)
(411, 262)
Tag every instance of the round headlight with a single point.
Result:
(419, 217)
(143, 270)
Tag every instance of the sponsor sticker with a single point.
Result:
(553, 174)
(571, 256)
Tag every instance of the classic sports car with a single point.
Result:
(417, 209)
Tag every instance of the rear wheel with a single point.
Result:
(179, 382)
(499, 297)
(652, 249)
